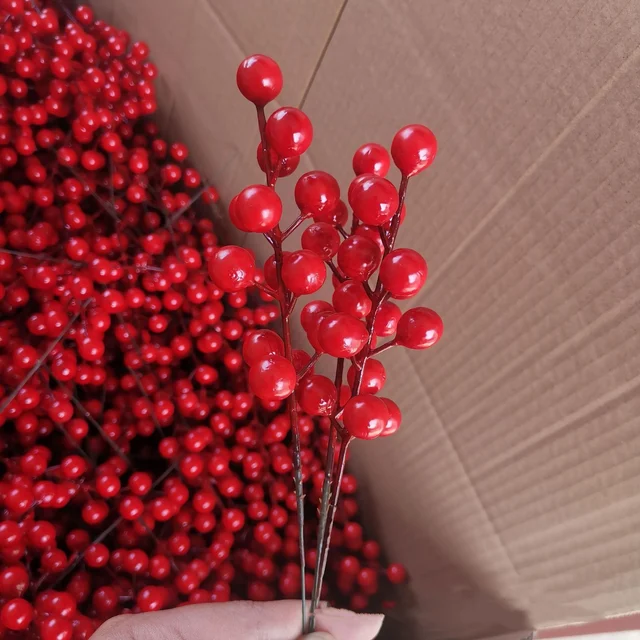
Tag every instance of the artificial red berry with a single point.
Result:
(374, 199)
(341, 335)
(419, 328)
(359, 257)
(395, 417)
(316, 192)
(311, 311)
(322, 239)
(272, 378)
(396, 573)
(351, 297)
(371, 158)
(289, 132)
(413, 149)
(285, 166)
(152, 598)
(317, 395)
(108, 485)
(16, 614)
(232, 268)
(373, 376)
(257, 209)
(365, 416)
(261, 343)
(303, 272)
(403, 273)
(55, 628)
(14, 581)
(387, 319)
(259, 79)
(232, 520)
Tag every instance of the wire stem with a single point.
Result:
(295, 429)
(293, 226)
(307, 367)
(321, 551)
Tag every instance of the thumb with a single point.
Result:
(340, 624)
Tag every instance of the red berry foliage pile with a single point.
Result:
(146, 454)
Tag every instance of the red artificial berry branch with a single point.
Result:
(359, 313)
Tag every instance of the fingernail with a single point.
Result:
(347, 624)
(319, 635)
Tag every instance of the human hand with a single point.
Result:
(239, 621)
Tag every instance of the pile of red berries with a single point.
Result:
(145, 454)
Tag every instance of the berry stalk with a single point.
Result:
(286, 302)
(323, 537)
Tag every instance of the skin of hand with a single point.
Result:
(239, 621)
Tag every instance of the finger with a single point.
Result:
(346, 625)
(225, 621)
(233, 620)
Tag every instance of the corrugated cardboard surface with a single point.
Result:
(513, 490)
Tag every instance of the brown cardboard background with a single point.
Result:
(518, 464)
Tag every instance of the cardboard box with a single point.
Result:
(512, 490)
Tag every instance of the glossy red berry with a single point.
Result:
(14, 581)
(285, 166)
(289, 132)
(373, 376)
(108, 485)
(311, 310)
(16, 614)
(396, 573)
(257, 209)
(259, 79)
(42, 535)
(261, 343)
(371, 158)
(303, 272)
(403, 273)
(317, 395)
(152, 598)
(387, 319)
(322, 239)
(317, 192)
(359, 257)
(55, 628)
(232, 268)
(341, 335)
(395, 417)
(272, 378)
(351, 297)
(419, 328)
(413, 149)
(96, 555)
(374, 200)
(365, 417)
(232, 520)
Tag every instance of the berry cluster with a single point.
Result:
(145, 451)
(368, 272)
